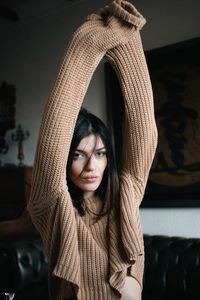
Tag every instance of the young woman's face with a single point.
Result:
(89, 163)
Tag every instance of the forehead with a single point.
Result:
(90, 143)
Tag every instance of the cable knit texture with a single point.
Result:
(88, 257)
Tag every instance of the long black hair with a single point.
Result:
(108, 190)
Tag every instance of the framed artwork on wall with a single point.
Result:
(174, 179)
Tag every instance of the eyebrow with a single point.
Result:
(84, 152)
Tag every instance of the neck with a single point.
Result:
(87, 195)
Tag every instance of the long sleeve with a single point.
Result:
(139, 128)
(59, 119)
(50, 205)
(139, 137)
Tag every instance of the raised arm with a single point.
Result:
(139, 131)
(100, 32)
(59, 118)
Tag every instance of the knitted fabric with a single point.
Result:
(83, 258)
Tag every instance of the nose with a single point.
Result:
(90, 165)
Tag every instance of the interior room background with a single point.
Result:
(30, 55)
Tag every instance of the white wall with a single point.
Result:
(30, 56)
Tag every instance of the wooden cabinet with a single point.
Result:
(15, 186)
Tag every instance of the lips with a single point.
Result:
(90, 178)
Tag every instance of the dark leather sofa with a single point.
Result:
(172, 268)
(23, 268)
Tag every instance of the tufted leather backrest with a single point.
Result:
(172, 268)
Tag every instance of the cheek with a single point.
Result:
(103, 165)
(76, 170)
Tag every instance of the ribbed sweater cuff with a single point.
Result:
(128, 13)
(123, 10)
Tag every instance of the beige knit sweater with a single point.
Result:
(83, 258)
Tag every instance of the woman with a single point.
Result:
(91, 167)
(91, 229)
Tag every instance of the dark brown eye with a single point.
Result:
(78, 155)
(101, 153)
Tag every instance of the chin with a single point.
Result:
(91, 189)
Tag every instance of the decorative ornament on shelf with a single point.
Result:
(20, 136)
